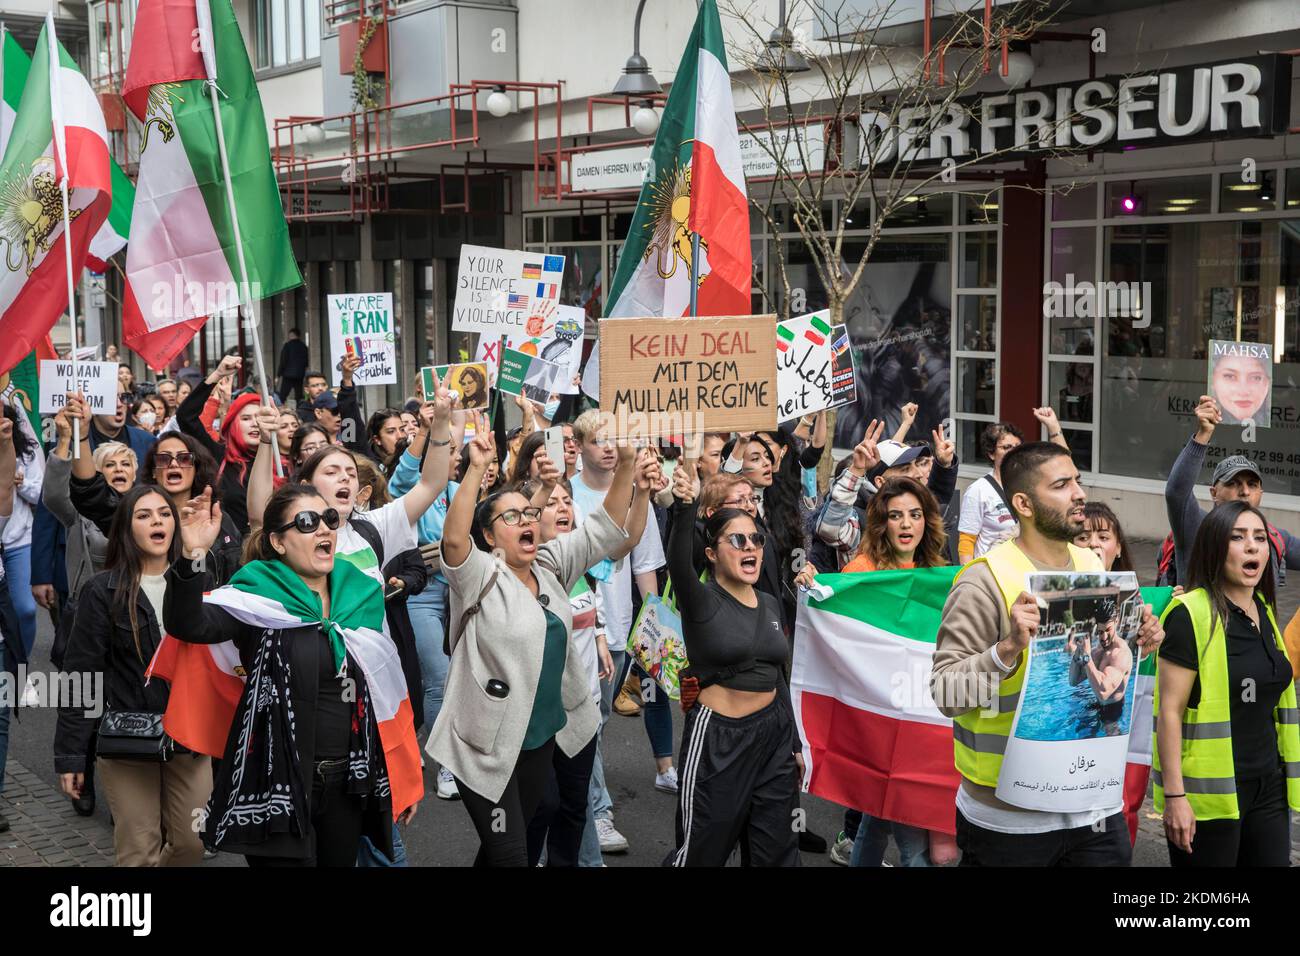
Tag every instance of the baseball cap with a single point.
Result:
(326, 399)
(1229, 468)
(894, 454)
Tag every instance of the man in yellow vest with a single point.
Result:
(988, 622)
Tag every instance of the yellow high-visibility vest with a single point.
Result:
(979, 737)
(1209, 779)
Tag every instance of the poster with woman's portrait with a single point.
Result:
(1241, 381)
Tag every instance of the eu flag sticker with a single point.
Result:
(553, 264)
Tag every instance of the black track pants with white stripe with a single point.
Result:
(737, 779)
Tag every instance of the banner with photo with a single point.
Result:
(527, 375)
(1241, 381)
(553, 333)
(1069, 741)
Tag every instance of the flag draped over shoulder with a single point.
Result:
(206, 684)
(112, 235)
(860, 685)
(267, 595)
(182, 264)
(58, 120)
(696, 184)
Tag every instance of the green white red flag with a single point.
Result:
(182, 264)
(58, 131)
(860, 686)
(15, 65)
(695, 184)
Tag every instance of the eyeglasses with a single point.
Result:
(737, 540)
(513, 516)
(601, 442)
(165, 459)
(308, 521)
(571, 440)
(741, 502)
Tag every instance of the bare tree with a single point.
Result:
(874, 107)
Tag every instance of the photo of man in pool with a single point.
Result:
(1083, 658)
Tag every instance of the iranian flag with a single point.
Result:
(184, 262)
(696, 184)
(358, 617)
(860, 685)
(58, 132)
(14, 67)
(206, 681)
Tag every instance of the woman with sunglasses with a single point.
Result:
(178, 465)
(740, 778)
(515, 690)
(118, 628)
(321, 751)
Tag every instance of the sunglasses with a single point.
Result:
(737, 540)
(307, 522)
(513, 516)
(165, 459)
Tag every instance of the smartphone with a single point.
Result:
(392, 592)
(553, 441)
(352, 345)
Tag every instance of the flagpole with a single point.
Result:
(204, 19)
(695, 274)
(60, 152)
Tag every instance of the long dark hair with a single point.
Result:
(483, 515)
(22, 444)
(205, 467)
(375, 425)
(1096, 515)
(125, 557)
(717, 522)
(279, 512)
(781, 500)
(875, 541)
(521, 462)
(1205, 566)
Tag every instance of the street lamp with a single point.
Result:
(637, 80)
(780, 56)
(645, 120)
(498, 104)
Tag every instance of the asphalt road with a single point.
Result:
(441, 834)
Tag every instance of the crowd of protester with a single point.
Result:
(503, 585)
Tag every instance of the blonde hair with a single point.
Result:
(586, 425)
(369, 476)
(111, 449)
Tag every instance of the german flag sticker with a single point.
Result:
(783, 338)
(817, 334)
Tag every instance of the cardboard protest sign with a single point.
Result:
(553, 333)
(808, 351)
(362, 325)
(97, 381)
(528, 375)
(468, 380)
(667, 376)
(1241, 381)
(499, 290)
(1068, 747)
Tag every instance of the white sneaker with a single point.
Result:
(447, 785)
(611, 841)
(666, 782)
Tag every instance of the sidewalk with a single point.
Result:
(44, 830)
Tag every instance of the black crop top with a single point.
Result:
(721, 633)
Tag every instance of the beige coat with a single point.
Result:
(478, 737)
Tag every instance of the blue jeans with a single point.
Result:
(367, 855)
(428, 611)
(599, 802)
(873, 837)
(656, 710)
(18, 571)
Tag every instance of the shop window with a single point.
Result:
(534, 228)
(1074, 201)
(1172, 196)
(979, 260)
(1151, 378)
(980, 209)
(1074, 256)
(1070, 391)
(1238, 195)
(977, 323)
(976, 386)
(1292, 200)
(575, 229)
(928, 209)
